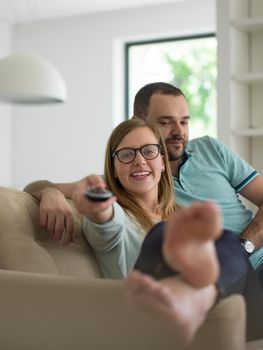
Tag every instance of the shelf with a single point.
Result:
(249, 132)
(249, 25)
(249, 78)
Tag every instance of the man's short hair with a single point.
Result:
(143, 96)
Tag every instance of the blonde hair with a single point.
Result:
(166, 196)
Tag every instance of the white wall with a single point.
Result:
(64, 143)
(5, 113)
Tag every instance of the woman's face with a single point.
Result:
(141, 176)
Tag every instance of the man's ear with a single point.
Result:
(134, 117)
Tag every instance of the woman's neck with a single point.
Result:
(150, 206)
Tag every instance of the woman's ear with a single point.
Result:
(163, 166)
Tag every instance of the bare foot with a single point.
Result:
(182, 306)
(189, 243)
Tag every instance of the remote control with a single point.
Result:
(98, 194)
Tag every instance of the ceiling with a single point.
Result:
(36, 10)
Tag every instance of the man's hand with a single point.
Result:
(56, 215)
(254, 193)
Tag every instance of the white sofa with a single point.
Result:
(53, 297)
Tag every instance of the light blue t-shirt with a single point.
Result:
(211, 171)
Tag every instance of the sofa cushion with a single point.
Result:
(45, 312)
(25, 246)
(255, 345)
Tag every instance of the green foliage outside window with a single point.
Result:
(189, 63)
(195, 72)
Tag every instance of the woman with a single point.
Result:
(116, 229)
(137, 172)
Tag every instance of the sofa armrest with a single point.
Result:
(42, 311)
(25, 246)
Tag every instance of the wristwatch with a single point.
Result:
(247, 245)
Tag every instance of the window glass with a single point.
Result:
(188, 63)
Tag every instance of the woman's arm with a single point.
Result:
(98, 212)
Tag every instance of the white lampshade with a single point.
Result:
(29, 79)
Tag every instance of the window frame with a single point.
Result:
(129, 44)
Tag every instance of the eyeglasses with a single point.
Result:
(127, 155)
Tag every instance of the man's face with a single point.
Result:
(171, 115)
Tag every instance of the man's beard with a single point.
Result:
(174, 154)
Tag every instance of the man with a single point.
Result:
(203, 169)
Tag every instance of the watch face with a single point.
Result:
(249, 246)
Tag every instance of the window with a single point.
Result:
(189, 63)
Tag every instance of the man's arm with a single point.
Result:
(254, 193)
(55, 212)
(38, 188)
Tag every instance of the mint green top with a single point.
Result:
(211, 171)
(116, 243)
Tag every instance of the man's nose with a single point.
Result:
(176, 128)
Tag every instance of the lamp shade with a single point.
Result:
(28, 79)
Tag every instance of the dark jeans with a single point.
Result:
(259, 272)
(236, 273)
